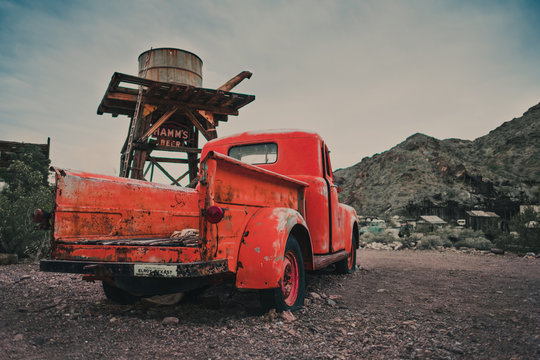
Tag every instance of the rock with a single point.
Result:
(331, 302)
(18, 337)
(170, 320)
(529, 255)
(315, 296)
(164, 300)
(334, 297)
(497, 251)
(438, 169)
(292, 332)
(8, 259)
(288, 316)
(113, 319)
(271, 315)
(381, 290)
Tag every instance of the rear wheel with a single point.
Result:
(348, 265)
(290, 295)
(118, 295)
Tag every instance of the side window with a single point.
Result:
(328, 165)
(323, 159)
(255, 153)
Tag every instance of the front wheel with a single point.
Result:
(290, 295)
(348, 265)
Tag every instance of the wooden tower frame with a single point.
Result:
(168, 117)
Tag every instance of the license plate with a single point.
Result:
(146, 270)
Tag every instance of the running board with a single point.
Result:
(322, 261)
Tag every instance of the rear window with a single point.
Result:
(255, 153)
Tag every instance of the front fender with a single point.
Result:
(260, 257)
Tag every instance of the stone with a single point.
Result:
(164, 300)
(271, 315)
(315, 296)
(18, 337)
(331, 302)
(170, 320)
(288, 316)
(8, 259)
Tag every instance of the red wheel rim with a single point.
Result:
(289, 285)
(350, 259)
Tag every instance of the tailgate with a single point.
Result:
(106, 213)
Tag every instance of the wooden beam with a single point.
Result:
(170, 160)
(182, 176)
(129, 101)
(208, 135)
(174, 181)
(158, 123)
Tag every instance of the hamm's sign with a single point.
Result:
(173, 136)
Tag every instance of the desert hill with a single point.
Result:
(424, 175)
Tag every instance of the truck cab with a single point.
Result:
(303, 156)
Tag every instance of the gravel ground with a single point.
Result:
(399, 304)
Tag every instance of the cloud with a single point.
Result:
(363, 74)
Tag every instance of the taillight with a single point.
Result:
(42, 218)
(214, 214)
(39, 215)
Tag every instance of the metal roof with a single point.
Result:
(481, 213)
(432, 219)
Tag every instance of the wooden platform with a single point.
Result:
(121, 100)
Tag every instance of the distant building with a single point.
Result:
(482, 220)
(430, 223)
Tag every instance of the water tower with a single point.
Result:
(168, 108)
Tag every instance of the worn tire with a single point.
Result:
(118, 295)
(290, 295)
(348, 265)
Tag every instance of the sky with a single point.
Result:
(365, 75)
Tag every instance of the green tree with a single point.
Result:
(25, 189)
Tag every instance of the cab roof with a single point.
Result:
(264, 135)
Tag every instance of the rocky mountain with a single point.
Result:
(424, 175)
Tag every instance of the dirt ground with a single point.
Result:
(400, 304)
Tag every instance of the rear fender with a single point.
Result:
(260, 257)
(351, 230)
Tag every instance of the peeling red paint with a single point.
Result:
(263, 205)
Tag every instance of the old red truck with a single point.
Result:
(265, 210)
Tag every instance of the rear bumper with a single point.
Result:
(161, 270)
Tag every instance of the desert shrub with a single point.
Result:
(454, 235)
(429, 242)
(478, 243)
(378, 238)
(507, 241)
(25, 189)
(527, 227)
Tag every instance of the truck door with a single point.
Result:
(336, 239)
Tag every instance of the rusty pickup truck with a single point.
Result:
(264, 211)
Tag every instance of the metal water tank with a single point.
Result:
(172, 65)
